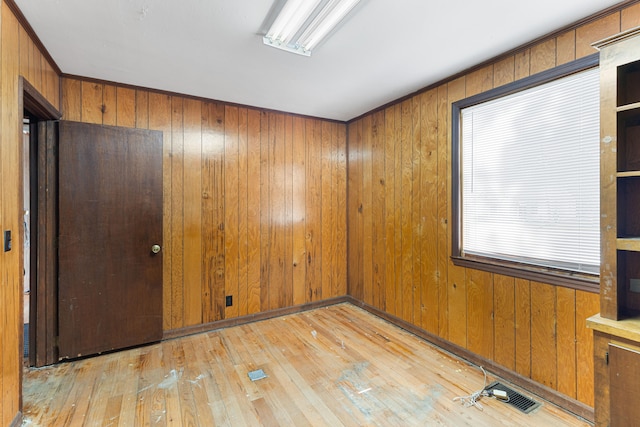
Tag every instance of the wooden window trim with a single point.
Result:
(558, 277)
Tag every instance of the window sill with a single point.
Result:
(578, 281)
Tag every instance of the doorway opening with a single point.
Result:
(26, 216)
(38, 141)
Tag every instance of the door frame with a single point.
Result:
(43, 220)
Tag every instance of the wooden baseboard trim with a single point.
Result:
(17, 421)
(544, 392)
(226, 323)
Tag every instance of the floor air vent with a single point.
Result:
(516, 399)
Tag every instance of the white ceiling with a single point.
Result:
(213, 48)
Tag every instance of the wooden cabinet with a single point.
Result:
(617, 327)
(617, 369)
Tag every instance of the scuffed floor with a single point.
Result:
(334, 366)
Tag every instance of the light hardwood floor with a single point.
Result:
(332, 366)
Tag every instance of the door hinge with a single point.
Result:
(606, 357)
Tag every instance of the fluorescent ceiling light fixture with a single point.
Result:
(302, 24)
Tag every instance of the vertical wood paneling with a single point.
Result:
(176, 229)
(406, 230)
(110, 102)
(6, 338)
(253, 211)
(53, 85)
(543, 334)
(428, 213)
(355, 208)
(523, 327)
(231, 213)
(457, 305)
(587, 304)
(416, 213)
(192, 210)
(72, 102)
(142, 109)
(25, 52)
(389, 208)
(35, 76)
(566, 340)
(339, 221)
(212, 211)
(29, 47)
(503, 71)
(314, 209)
(265, 213)
(243, 225)
(126, 107)
(299, 214)
(91, 98)
(42, 70)
(287, 294)
(479, 81)
(505, 320)
(277, 206)
(10, 205)
(543, 56)
(378, 201)
(367, 211)
(522, 64)
(340, 190)
(594, 31)
(327, 207)
(444, 213)
(630, 17)
(566, 45)
(397, 231)
(480, 312)
(160, 119)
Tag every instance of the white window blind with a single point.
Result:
(530, 171)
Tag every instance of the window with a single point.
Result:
(527, 161)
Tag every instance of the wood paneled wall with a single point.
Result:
(19, 57)
(255, 208)
(254, 200)
(399, 222)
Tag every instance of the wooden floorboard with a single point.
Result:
(331, 366)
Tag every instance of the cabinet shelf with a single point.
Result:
(629, 107)
(628, 244)
(628, 174)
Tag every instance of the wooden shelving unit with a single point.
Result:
(617, 327)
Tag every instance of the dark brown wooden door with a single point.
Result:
(110, 216)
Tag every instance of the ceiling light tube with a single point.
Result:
(302, 24)
(290, 19)
(326, 21)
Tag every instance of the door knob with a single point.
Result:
(155, 249)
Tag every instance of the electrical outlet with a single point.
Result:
(634, 285)
(229, 300)
(7, 240)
